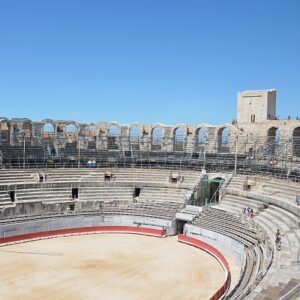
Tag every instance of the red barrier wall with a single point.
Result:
(217, 254)
(116, 229)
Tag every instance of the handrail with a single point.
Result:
(291, 293)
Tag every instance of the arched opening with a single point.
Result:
(16, 137)
(48, 131)
(296, 141)
(4, 133)
(72, 134)
(113, 137)
(179, 139)
(156, 138)
(91, 133)
(134, 137)
(200, 139)
(223, 140)
(273, 140)
(27, 132)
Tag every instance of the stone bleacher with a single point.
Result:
(286, 263)
(109, 190)
(256, 246)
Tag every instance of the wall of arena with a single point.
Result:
(272, 136)
(33, 226)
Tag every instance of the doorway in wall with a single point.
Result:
(74, 193)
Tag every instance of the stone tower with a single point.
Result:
(256, 106)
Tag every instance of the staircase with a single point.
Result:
(276, 292)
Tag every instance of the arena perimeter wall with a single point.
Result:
(129, 229)
(79, 230)
(215, 253)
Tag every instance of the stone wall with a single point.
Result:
(266, 134)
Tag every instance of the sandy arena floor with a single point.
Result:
(107, 266)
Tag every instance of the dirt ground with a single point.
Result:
(107, 266)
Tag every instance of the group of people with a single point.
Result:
(278, 240)
(248, 212)
(297, 199)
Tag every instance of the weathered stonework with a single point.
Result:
(256, 131)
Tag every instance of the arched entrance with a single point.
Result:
(179, 139)
(200, 139)
(113, 137)
(134, 137)
(273, 140)
(156, 138)
(223, 140)
(296, 141)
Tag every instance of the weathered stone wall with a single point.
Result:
(265, 135)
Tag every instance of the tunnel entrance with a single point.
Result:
(214, 190)
(180, 226)
(74, 193)
(12, 195)
(136, 192)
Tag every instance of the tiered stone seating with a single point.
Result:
(168, 195)
(106, 194)
(226, 224)
(268, 186)
(5, 199)
(12, 176)
(152, 210)
(270, 218)
(122, 175)
(74, 175)
(53, 194)
(148, 192)
(256, 247)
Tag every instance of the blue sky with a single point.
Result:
(164, 61)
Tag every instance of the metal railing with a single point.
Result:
(295, 292)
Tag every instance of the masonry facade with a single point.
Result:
(257, 131)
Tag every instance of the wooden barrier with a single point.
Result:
(215, 253)
(66, 231)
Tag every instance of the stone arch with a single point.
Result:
(71, 130)
(156, 138)
(178, 139)
(26, 129)
(200, 138)
(201, 135)
(296, 141)
(134, 136)
(48, 130)
(274, 134)
(15, 128)
(102, 138)
(4, 131)
(113, 136)
(273, 140)
(91, 135)
(223, 139)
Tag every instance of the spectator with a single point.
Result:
(278, 239)
(297, 200)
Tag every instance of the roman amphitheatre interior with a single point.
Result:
(143, 211)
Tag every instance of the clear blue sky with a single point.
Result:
(162, 61)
